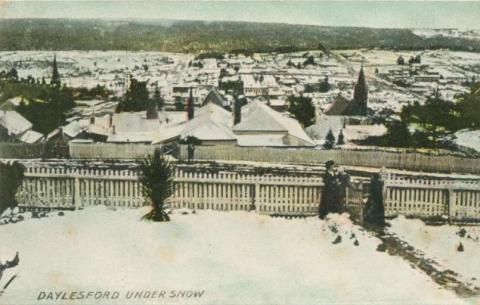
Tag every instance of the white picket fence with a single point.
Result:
(427, 197)
(65, 188)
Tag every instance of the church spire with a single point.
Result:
(55, 81)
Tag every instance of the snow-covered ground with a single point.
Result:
(236, 257)
(441, 244)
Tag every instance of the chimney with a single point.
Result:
(92, 120)
(113, 129)
(110, 120)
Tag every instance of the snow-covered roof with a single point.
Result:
(211, 122)
(74, 128)
(260, 118)
(31, 137)
(14, 122)
(468, 138)
(325, 123)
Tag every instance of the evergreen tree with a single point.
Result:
(237, 111)
(190, 106)
(340, 140)
(157, 98)
(324, 85)
(329, 140)
(136, 98)
(156, 177)
(11, 177)
(302, 109)
(360, 94)
(398, 135)
(374, 213)
(400, 60)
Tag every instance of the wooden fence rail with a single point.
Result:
(400, 160)
(457, 200)
(267, 194)
(111, 150)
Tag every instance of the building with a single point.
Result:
(214, 97)
(357, 106)
(260, 125)
(14, 127)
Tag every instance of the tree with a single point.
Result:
(398, 135)
(341, 138)
(469, 108)
(329, 140)
(310, 61)
(302, 109)
(156, 177)
(324, 85)
(374, 214)
(11, 178)
(157, 98)
(237, 111)
(436, 117)
(136, 98)
(190, 106)
(400, 60)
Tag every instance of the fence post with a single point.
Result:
(255, 197)
(76, 197)
(450, 204)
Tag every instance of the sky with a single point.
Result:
(387, 14)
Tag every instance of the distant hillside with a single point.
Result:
(196, 36)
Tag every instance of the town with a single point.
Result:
(352, 96)
(239, 161)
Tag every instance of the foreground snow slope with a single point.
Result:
(441, 244)
(236, 257)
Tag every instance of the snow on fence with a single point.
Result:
(111, 150)
(457, 200)
(401, 160)
(65, 188)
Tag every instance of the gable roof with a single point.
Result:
(211, 122)
(31, 137)
(215, 97)
(258, 117)
(14, 122)
(340, 106)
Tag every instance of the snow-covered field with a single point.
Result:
(441, 244)
(236, 258)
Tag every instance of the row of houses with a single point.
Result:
(259, 125)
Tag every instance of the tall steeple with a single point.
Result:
(55, 81)
(360, 93)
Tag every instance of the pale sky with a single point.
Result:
(391, 14)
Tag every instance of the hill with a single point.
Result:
(197, 36)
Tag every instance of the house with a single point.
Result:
(211, 125)
(260, 125)
(14, 127)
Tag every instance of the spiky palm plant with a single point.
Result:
(156, 176)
